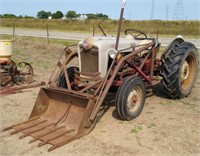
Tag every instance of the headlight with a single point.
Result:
(112, 53)
(88, 43)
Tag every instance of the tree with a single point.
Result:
(48, 13)
(57, 15)
(91, 16)
(9, 16)
(28, 17)
(71, 14)
(43, 14)
(102, 16)
(97, 16)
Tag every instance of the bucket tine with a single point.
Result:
(30, 120)
(60, 144)
(21, 129)
(42, 135)
(34, 131)
(55, 137)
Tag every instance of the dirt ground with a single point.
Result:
(165, 126)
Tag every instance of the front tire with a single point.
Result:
(180, 70)
(71, 73)
(130, 98)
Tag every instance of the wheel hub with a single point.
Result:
(185, 71)
(134, 99)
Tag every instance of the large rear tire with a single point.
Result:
(130, 98)
(174, 43)
(180, 69)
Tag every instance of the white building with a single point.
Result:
(82, 17)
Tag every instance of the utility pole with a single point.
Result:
(167, 13)
(152, 11)
(130, 15)
(178, 10)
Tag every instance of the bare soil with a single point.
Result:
(165, 126)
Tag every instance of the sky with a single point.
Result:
(134, 9)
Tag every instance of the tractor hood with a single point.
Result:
(96, 58)
(106, 43)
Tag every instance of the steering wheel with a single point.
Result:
(138, 33)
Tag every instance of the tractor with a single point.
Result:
(68, 107)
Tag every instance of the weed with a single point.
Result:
(103, 131)
(140, 128)
(166, 103)
(138, 138)
(16, 52)
(134, 130)
(187, 103)
(151, 125)
(156, 139)
(45, 66)
(149, 112)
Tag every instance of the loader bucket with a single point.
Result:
(57, 118)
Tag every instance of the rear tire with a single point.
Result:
(130, 98)
(62, 82)
(174, 43)
(180, 69)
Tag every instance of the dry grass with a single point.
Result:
(186, 28)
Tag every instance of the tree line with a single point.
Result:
(58, 15)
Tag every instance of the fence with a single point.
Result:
(49, 33)
(46, 33)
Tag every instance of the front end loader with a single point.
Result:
(69, 106)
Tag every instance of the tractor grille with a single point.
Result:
(89, 61)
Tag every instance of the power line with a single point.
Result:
(152, 10)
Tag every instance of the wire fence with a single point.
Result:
(46, 33)
(71, 35)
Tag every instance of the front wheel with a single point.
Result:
(71, 73)
(130, 98)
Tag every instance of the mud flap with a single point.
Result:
(58, 117)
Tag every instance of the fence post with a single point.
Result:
(13, 29)
(47, 33)
(93, 30)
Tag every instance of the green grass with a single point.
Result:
(103, 131)
(136, 129)
(170, 118)
(149, 112)
(17, 52)
(151, 125)
(166, 103)
(166, 28)
(188, 104)
(138, 138)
